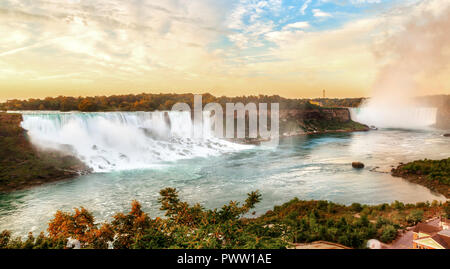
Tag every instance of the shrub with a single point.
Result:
(356, 207)
(388, 233)
(447, 209)
(415, 217)
(192, 226)
(398, 205)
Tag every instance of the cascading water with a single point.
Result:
(110, 141)
(401, 117)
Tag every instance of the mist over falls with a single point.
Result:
(124, 140)
(395, 117)
(413, 60)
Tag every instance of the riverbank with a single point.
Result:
(187, 226)
(433, 174)
(23, 166)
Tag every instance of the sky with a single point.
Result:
(293, 48)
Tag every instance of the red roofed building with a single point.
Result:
(427, 236)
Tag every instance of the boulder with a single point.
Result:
(358, 165)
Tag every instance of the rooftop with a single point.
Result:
(442, 240)
(444, 233)
(426, 228)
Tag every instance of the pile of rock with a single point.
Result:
(358, 165)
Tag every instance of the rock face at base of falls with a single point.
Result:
(318, 120)
(24, 166)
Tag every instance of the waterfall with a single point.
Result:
(401, 117)
(111, 141)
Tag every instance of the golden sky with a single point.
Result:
(294, 48)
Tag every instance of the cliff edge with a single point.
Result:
(22, 165)
(318, 120)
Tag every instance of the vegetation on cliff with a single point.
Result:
(333, 126)
(318, 120)
(22, 165)
(336, 102)
(434, 174)
(192, 226)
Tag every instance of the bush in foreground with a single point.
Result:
(192, 226)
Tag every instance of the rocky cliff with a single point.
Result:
(311, 120)
(317, 120)
(22, 165)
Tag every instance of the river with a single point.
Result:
(130, 161)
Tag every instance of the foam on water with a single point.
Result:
(112, 141)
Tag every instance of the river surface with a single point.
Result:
(310, 167)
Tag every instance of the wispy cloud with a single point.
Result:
(305, 6)
(297, 25)
(320, 14)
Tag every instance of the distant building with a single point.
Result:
(427, 236)
(317, 103)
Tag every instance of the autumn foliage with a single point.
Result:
(192, 226)
(139, 102)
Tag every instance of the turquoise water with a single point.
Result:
(310, 167)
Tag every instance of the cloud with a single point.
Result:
(125, 38)
(249, 22)
(304, 6)
(298, 25)
(365, 1)
(320, 14)
(227, 47)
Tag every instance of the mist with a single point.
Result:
(412, 56)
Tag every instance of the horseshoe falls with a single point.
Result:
(401, 117)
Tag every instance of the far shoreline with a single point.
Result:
(422, 179)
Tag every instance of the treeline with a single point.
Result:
(191, 226)
(141, 102)
(345, 102)
(152, 102)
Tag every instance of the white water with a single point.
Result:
(112, 141)
(401, 117)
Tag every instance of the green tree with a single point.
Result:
(388, 233)
(415, 216)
